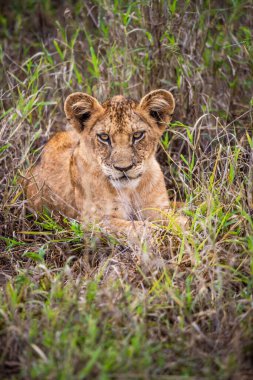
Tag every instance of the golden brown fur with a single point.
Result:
(105, 170)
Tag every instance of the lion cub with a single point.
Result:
(104, 170)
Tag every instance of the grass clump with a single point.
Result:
(74, 305)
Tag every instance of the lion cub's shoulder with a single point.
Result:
(62, 141)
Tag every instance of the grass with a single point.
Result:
(77, 305)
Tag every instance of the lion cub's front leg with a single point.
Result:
(133, 229)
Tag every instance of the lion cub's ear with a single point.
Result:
(159, 104)
(80, 108)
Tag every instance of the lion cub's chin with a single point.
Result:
(126, 183)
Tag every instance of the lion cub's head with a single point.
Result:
(121, 133)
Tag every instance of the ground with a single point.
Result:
(77, 305)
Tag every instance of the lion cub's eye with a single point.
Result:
(104, 137)
(138, 136)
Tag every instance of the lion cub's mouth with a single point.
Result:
(125, 181)
(125, 177)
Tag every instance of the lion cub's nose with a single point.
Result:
(123, 168)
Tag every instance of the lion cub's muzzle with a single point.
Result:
(122, 173)
(126, 172)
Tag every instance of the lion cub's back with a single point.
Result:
(49, 181)
(61, 143)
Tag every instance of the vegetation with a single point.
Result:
(77, 305)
